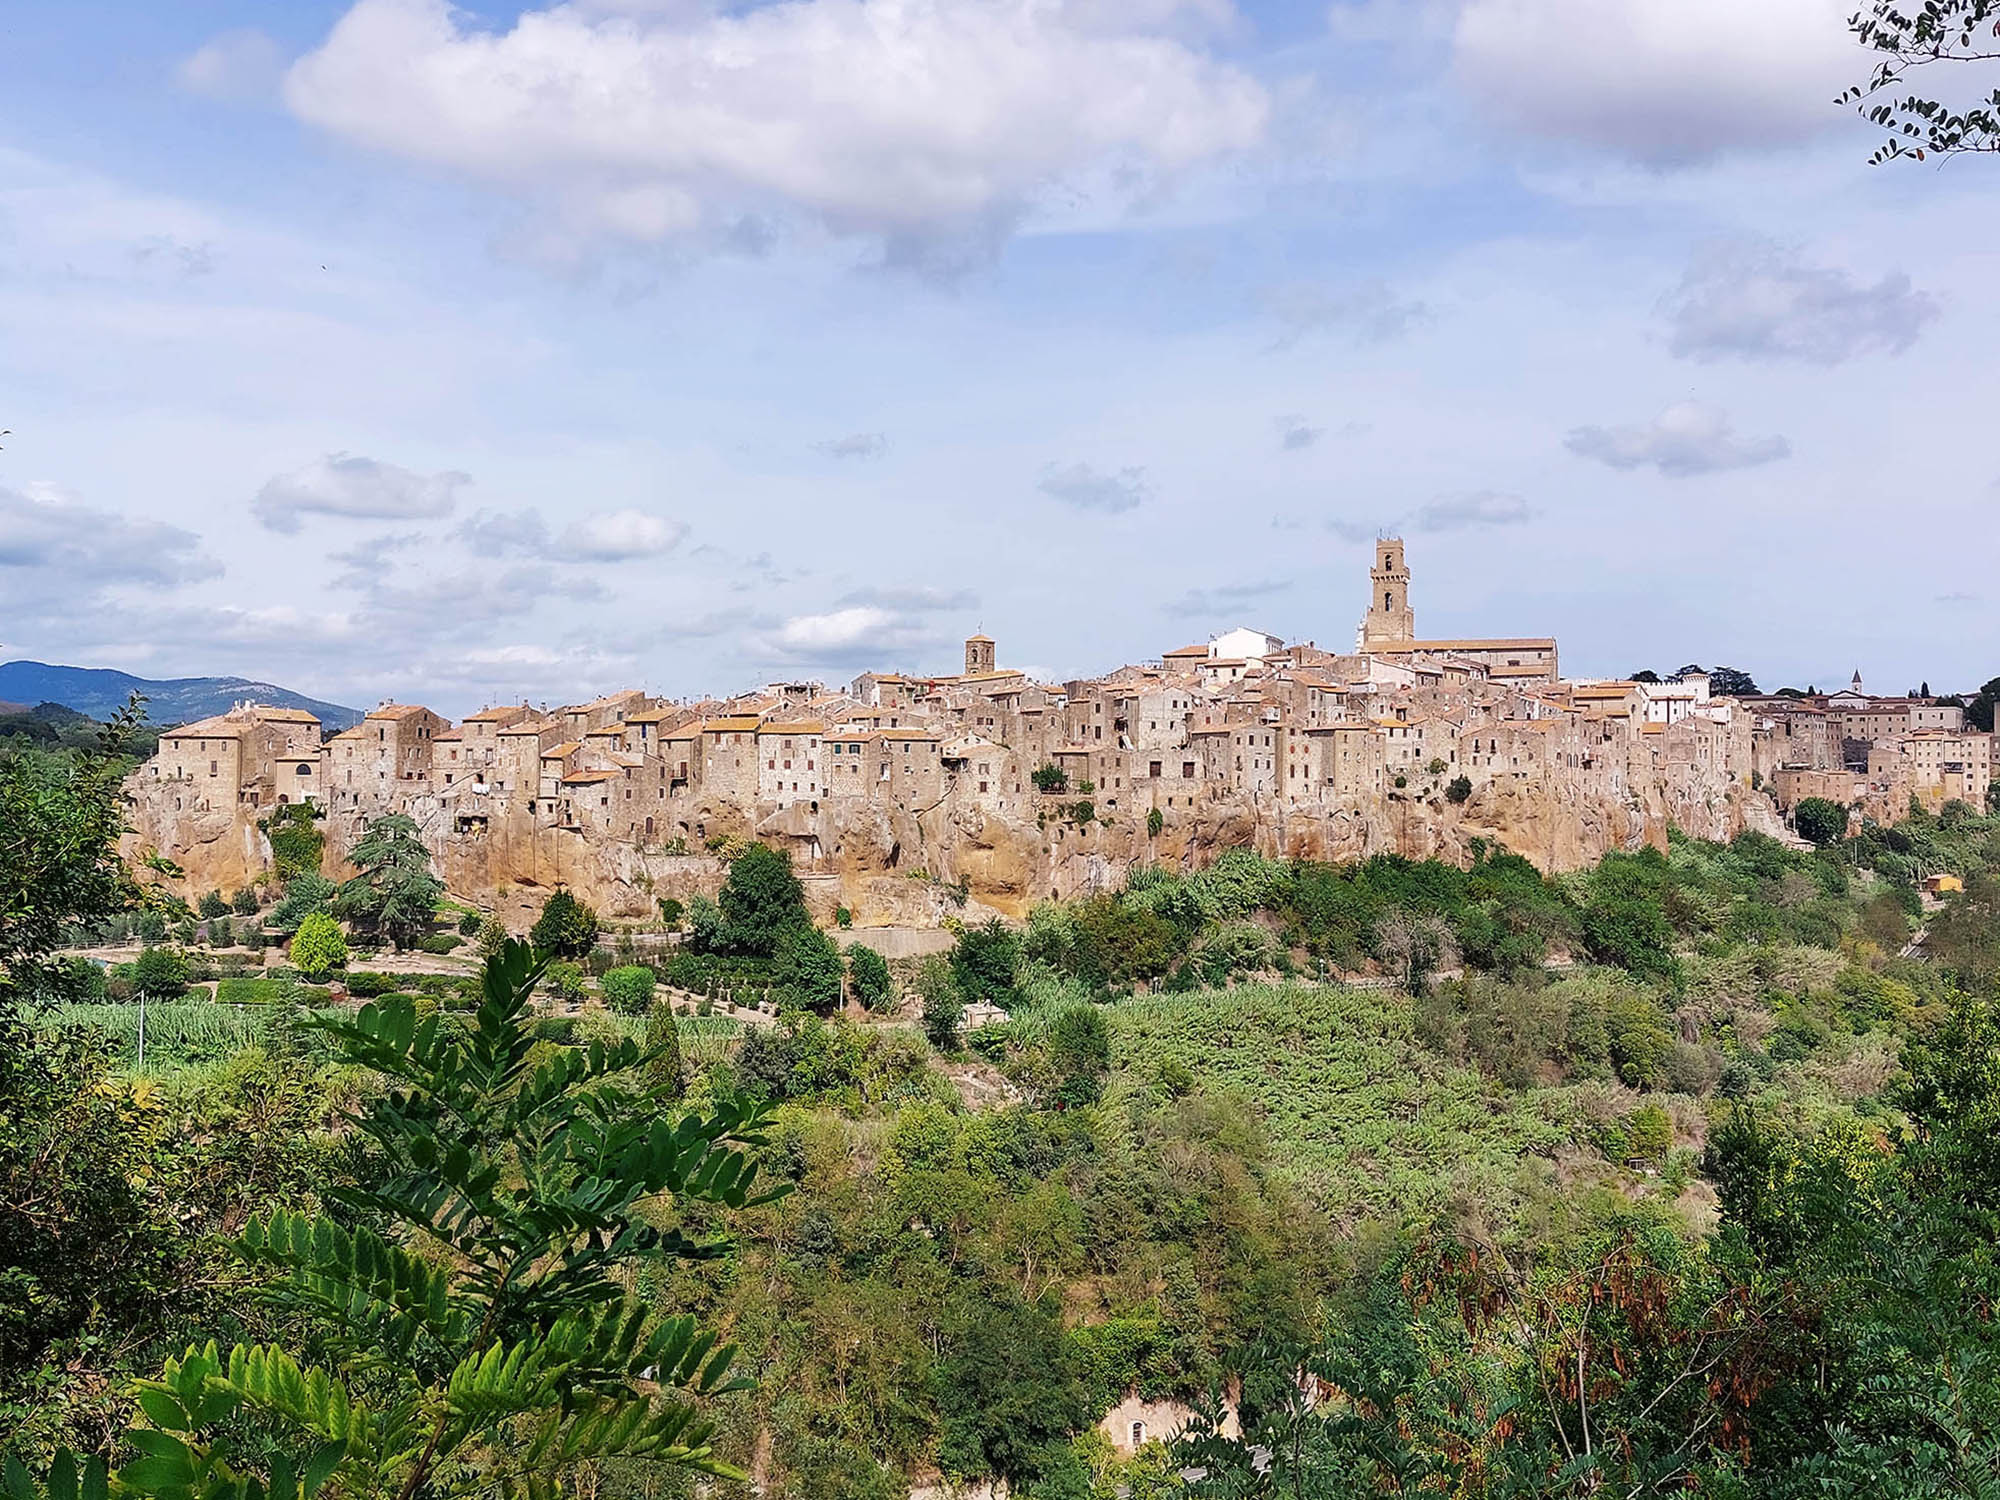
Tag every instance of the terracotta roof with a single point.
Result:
(581, 778)
(906, 734)
(282, 715)
(512, 711)
(985, 639)
(557, 752)
(449, 734)
(529, 726)
(729, 722)
(398, 711)
(803, 726)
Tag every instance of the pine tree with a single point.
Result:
(482, 1345)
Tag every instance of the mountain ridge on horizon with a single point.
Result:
(102, 691)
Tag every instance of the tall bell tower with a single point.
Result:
(1390, 621)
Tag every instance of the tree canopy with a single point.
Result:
(395, 894)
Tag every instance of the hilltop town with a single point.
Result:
(902, 798)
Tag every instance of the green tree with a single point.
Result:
(566, 927)
(1821, 821)
(469, 924)
(212, 905)
(60, 818)
(244, 902)
(297, 844)
(1078, 1047)
(492, 937)
(304, 894)
(672, 913)
(319, 947)
(160, 973)
(807, 967)
(869, 972)
(761, 899)
(628, 989)
(984, 962)
(395, 894)
(1155, 821)
(1052, 779)
(1979, 712)
(1459, 790)
(485, 1343)
(944, 1006)
(663, 1050)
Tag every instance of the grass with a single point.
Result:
(1364, 1119)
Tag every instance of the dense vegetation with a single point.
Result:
(1675, 1173)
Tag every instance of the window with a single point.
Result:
(1138, 1433)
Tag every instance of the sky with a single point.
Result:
(390, 349)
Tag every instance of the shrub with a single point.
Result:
(160, 973)
(440, 943)
(1051, 779)
(808, 967)
(944, 1006)
(212, 905)
(492, 937)
(470, 923)
(566, 926)
(366, 984)
(319, 946)
(628, 989)
(984, 962)
(671, 913)
(843, 918)
(869, 971)
(244, 902)
(307, 892)
(1459, 791)
(1155, 821)
(565, 977)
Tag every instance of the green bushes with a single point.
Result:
(565, 926)
(628, 989)
(807, 968)
(440, 943)
(245, 991)
(319, 946)
(160, 973)
(868, 971)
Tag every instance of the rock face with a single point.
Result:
(891, 866)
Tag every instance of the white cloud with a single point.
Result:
(236, 65)
(346, 484)
(56, 552)
(1662, 81)
(1758, 300)
(856, 634)
(1478, 508)
(618, 536)
(907, 120)
(1687, 438)
(855, 445)
(1087, 488)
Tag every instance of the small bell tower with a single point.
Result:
(1390, 621)
(978, 654)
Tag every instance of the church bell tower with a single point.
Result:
(1390, 621)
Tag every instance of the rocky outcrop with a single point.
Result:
(903, 867)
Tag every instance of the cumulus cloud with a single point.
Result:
(1687, 438)
(858, 633)
(1087, 488)
(1477, 508)
(1223, 598)
(348, 485)
(236, 65)
(1367, 314)
(618, 536)
(896, 119)
(56, 551)
(1756, 300)
(855, 445)
(602, 536)
(1660, 83)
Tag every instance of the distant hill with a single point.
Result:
(100, 692)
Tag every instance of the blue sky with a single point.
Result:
(388, 349)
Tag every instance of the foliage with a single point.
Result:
(943, 1002)
(566, 927)
(297, 845)
(492, 937)
(60, 820)
(761, 899)
(1819, 820)
(395, 895)
(244, 902)
(1937, 33)
(305, 894)
(868, 971)
(1979, 711)
(212, 905)
(1050, 779)
(807, 968)
(1459, 790)
(672, 913)
(161, 973)
(566, 978)
(319, 947)
(470, 923)
(628, 989)
(983, 964)
(511, 1357)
